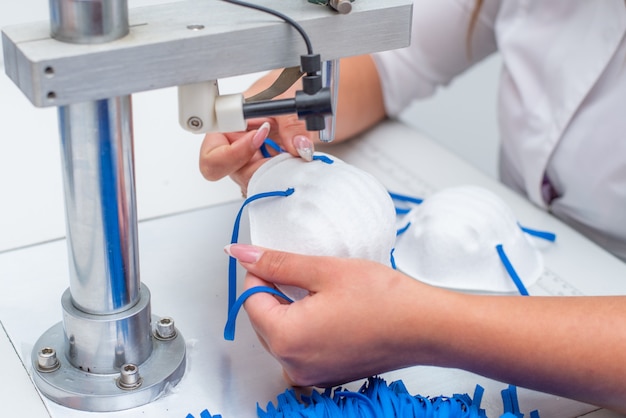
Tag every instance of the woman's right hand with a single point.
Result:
(237, 154)
(355, 322)
(234, 154)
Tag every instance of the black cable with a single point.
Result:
(280, 15)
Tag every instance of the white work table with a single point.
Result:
(183, 265)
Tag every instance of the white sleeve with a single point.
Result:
(438, 50)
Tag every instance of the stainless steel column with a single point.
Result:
(97, 153)
(106, 335)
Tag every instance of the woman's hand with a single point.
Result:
(233, 154)
(351, 324)
(237, 154)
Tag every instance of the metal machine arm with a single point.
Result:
(109, 352)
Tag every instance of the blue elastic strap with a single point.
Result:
(232, 262)
(264, 151)
(548, 236)
(511, 271)
(323, 158)
(403, 229)
(402, 211)
(234, 304)
(406, 199)
(229, 329)
(271, 143)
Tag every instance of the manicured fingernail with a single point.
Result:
(304, 146)
(261, 135)
(244, 252)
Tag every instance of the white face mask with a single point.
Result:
(335, 210)
(452, 242)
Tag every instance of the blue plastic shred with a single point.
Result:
(205, 414)
(376, 399)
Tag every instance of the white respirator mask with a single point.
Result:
(461, 238)
(335, 210)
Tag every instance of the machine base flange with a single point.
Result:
(77, 389)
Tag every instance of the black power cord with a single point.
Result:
(280, 15)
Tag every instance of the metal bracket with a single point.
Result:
(193, 41)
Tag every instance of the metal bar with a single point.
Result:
(193, 41)
(101, 219)
(330, 79)
(98, 172)
(268, 108)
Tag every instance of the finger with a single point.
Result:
(251, 281)
(294, 137)
(291, 134)
(223, 154)
(242, 176)
(263, 309)
(307, 272)
(219, 157)
(259, 305)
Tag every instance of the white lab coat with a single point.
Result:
(562, 96)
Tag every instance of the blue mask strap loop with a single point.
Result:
(511, 271)
(403, 229)
(548, 236)
(392, 259)
(229, 329)
(271, 143)
(232, 262)
(404, 199)
(323, 158)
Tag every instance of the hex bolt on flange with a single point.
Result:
(165, 329)
(129, 377)
(47, 360)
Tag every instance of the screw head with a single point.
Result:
(129, 377)
(194, 123)
(47, 360)
(165, 329)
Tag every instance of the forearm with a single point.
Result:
(360, 103)
(572, 347)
